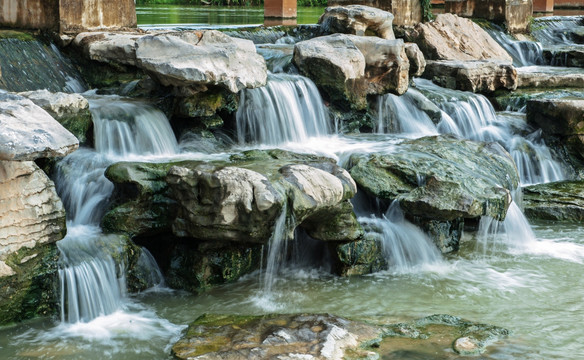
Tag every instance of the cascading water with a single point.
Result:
(406, 248)
(90, 281)
(524, 53)
(288, 109)
(556, 30)
(401, 115)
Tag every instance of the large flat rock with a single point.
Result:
(29, 132)
(559, 201)
(549, 77)
(474, 76)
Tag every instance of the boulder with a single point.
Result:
(357, 20)
(348, 67)
(406, 12)
(561, 118)
(416, 59)
(201, 58)
(32, 219)
(474, 76)
(70, 110)
(559, 201)
(29, 132)
(549, 77)
(516, 15)
(109, 47)
(440, 178)
(450, 37)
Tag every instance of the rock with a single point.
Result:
(516, 15)
(201, 58)
(450, 37)
(29, 132)
(562, 118)
(348, 67)
(416, 59)
(357, 20)
(571, 56)
(549, 77)
(313, 336)
(361, 257)
(460, 178)
(475, 76)
(559, 201)
(274, 336)
(32, 219)
(109, 47)
(70, 110)
(406, 12)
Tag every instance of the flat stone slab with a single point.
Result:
(559, 201)
(549, 77)
(29, 132)
(474, 76)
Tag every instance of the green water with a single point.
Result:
(150, 16)
(536, 293)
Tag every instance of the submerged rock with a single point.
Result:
(349, 67)
(29, 132)
(32, 219)
(450, 37)
(70, 110)
(475, 76)
(440, 178)
(321, 337)
(358, 20)
(559, 201)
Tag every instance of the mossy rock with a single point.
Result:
(33, 290)
(558, 201)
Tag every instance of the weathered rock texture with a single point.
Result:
(475, 76)
(514, 14)
(68, 15)
(29, 132)
(358, 20)
(416, 59)
(70, 110)
(549, 77)
(559, 201)
(406, 12)
(450, 37)
(349, 67)
(32, 218)
(328, 337)
(562, 118)
(196, 59)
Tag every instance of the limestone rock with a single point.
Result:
(349, 67)
(29, 132)
(70, 110)
(416, 59)
(475, 76)
(357, 20)
(200, 59)
(32, 219)
(307, 336)
(549, 77)
(109, 47)
(559, 201)
(563, 118)
(461, 178)
(406, 12)
(450, 37)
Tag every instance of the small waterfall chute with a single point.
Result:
(288, 109)
(401, 115)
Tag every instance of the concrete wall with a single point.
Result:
(30, 14)
(79, 15)
(569, 4)
(405, 12)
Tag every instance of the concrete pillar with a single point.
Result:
(514, 14)
(30, 14)
(405, 12)
(280, 9)
(81, 15)
(543, 5)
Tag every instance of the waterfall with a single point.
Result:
(497, 236)
(92, 285)
(405, 246)
(556, 30)
(288, 109)
(524, 53)
(277, 251)
(473, 117)
(401, 115)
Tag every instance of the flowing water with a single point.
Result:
(509, 273)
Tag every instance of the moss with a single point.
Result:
(17, 35)
(33, 290)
